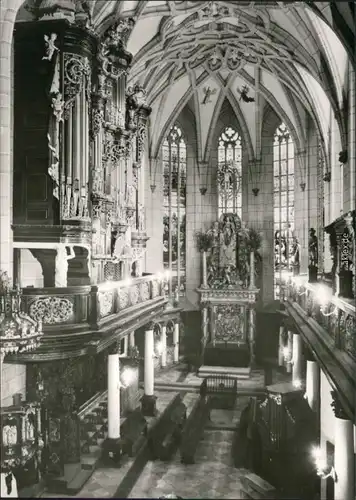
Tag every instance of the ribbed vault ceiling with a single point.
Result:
(283, 51)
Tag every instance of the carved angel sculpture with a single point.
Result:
(50, 46)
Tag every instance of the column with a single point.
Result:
(288, 356)
(148, 400)
(113, 396)
(312, 390)
(112, 445)
(344, 453)
(6, 164)
(126, 345)
(281, 346)
(132, 339)
(176, 343)
(297, 359)
(164, 346)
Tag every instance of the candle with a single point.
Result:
(252, 270)
(204, 280)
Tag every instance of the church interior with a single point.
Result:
(177, 249)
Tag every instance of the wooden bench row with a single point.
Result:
(194, 429)
(165, 436)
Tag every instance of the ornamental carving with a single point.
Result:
(145, 291)
(228, 245)
(77, 77)
(247, 296)
(51, 310)
(350, 338)
(134, 295)
(97, 121)
(333, 326)
(277, 398)
(105, 303)
(123, 298)
(112, 55)
(219, 43)
(230, 323)
(141, 135)
(155, 289)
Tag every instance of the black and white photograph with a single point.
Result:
(178, 249)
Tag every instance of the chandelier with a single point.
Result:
(18, 332)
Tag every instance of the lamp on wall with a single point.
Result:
(254, 166)
(203, 172)
(323, 295)
(323, 469)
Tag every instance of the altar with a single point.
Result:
(228, 295)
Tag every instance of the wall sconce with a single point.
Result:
(287, 354)
(297, 384)
(203, 191)
(127, 377)
(153, 188)
(331, 313)
(255, 191)
(302, 186)
(323, 296)
(158, 350)
(323, 470)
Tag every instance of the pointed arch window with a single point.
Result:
(229, 172)
(283, 170)
(174, 154)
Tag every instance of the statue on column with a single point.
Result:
(61, 265)
(313, 256)
(295, 256)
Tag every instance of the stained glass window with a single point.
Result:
(174, 154)
(284, 243)
(229, 172)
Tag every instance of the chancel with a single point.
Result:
(177, 249)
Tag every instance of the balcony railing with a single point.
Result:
(88, 305)
(335, 315)
(78, 319)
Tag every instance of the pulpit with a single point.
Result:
(228, 295)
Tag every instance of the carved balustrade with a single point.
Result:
(336, 316)
(76, 319)
(86, 304)
(118, 296)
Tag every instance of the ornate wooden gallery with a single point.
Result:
(80, 135)
(228, 296)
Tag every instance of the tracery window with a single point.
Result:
(174, 154)
(229, 172)
(284, 245)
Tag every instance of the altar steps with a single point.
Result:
(242, 373)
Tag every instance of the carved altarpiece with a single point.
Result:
(228, 292)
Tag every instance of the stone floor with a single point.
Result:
(256, 380)
(104, 481)
(212, 476)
